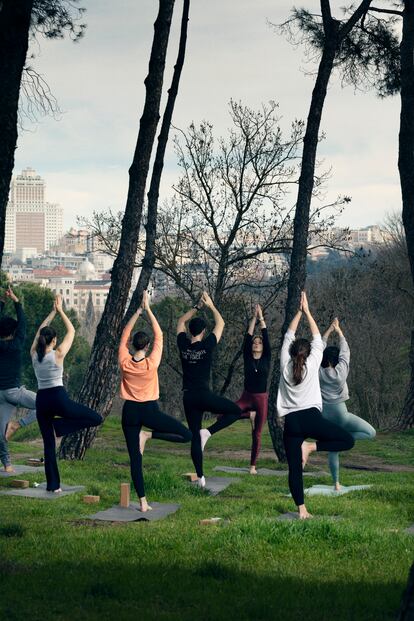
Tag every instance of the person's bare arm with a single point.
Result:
(47, 321)
(187, 316)
(66, 344)
(218, 319)
(312, 323)
(156, 352)
(252, 324)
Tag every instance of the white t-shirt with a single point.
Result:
(307, 394)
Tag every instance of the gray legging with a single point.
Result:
(10, 399)
(358, 428)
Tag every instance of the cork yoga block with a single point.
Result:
(125, 495)
(190, 476)
(90, 500)
(20, 483)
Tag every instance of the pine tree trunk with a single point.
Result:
(14, 41)
(101, 377)
(297, 274)
(406, 170)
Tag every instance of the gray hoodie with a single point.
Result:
(334, 388)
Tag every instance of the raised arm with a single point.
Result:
(265, 336)
(252, 324)
(293, 326)
(156, 352)
(66, 344)
(218, 319)
(47, 321)
(312, 323)
(342, 368)
(123, 351)
(329, 331)
(187, 316)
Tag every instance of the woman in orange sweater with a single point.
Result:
(140, 389)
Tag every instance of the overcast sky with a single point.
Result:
(231, 53)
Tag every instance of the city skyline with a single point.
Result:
(86, 154)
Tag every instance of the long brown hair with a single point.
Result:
(46, 336)
(299, 351)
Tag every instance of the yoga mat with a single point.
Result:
(133, 514)
(410, 530)
(328, 490)
(18, 469)
(266, 471)
(41, 492)
(215, 485)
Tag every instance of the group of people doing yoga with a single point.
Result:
(311, 398)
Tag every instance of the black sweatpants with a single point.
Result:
(304, 424)
(52, 403)
(196, 402)
(135, 415)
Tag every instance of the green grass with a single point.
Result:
(57, 565)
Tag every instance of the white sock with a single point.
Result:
(201, 482)
(204, 436)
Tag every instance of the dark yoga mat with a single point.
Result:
(133, 514)
(18, 469)
(215, 485)
(266, 471)
(41, 493)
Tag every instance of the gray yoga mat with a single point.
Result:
(292, 515)
(410, 530)
(215, 485)
(18, 469)
(328, 490)
(133, 514)
(41, 492)
(266, 471)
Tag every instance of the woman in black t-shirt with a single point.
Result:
(196, 355)
(254, 399)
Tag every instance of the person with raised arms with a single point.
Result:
(196, 354)
(254, 399)
(333, 374)
(12, 394)
(140, 389)
(299, 401)
(56, 413)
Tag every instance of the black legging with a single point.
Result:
(196, 402)
(53, 402)
(135, 415)
(304, 424)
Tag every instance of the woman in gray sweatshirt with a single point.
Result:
(333, 374)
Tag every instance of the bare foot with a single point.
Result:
(252, 418)
(204, 436)
(9, 469)
(143, 437)
(57, 491)
(253, 470)
(307, 449)
(303, 513)
(338, 487)
(144, 506)
(201, 482)
(12, 427)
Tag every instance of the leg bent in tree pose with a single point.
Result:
(333, 374)
(299, 400)
(140, 389)
(57, 415)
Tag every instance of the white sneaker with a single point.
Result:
(201, 482)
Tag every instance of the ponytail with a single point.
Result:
(46, 336)
(299, 351)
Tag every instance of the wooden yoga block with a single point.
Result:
(209, 521)
(90, 500)
(125, 491)
(35, 462)
(190, 476)
(21, 483)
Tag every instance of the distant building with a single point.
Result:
(30, 220)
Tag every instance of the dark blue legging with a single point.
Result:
(135, 415)
(50, 404)
(304, 424)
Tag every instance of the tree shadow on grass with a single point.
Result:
(210, 591)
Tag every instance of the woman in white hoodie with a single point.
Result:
(299, 400)
(333, 374)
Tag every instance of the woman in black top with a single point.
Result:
(254, 399)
